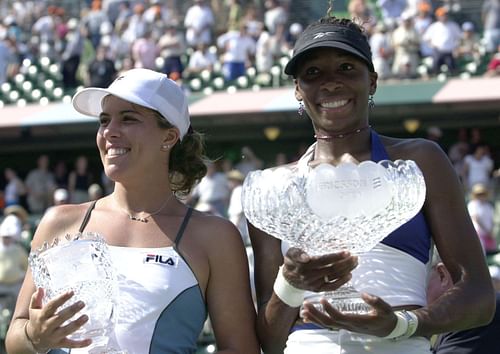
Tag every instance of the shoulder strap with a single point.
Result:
(183, 226)
(86, 218)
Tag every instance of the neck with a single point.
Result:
(341, 135)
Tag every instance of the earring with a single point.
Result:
(371, 102)
(165, 147)
(301, 108)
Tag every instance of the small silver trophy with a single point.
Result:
(81, 263)
(333, 208)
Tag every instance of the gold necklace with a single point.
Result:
(146, 218)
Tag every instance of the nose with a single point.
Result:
(112, 129)
(331, 82)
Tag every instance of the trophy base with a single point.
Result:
(345, 299)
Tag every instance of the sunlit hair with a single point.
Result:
(187, 161)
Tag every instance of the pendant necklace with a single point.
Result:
(145, 219)
(341, 135)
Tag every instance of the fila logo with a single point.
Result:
(158, 258)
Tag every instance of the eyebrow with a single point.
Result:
(121, 112)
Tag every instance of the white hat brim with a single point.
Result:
(89, 100)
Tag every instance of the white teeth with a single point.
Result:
(334, 104)
(116, 151)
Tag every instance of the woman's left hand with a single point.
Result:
(378, 322)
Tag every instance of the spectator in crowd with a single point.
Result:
(136, 26)
(79, 180)
(235, 15)
(458, 150)
(201, 59)
(211, 194)
(238, 52)
(382, 50)
(435, 134)
(254, 22)
(6, 59)
(249, 161)
(172, 46)
(13, 256)
(40, 185)
(491, 24)
(482, 213)
(391, 10)
(469, 48)
(363, 12)
(93, 20)
(45, 25)
(479, 340)
(144, 51)
(494, 65)
(159, 12)
(422, 21)
(275, 16)
(406, 43)
(444, 37)
(15, 189)
(235, 208)
(123, 17)
(199, 22)
(102, 69)
(478, 166)
(266, 51)
(71, 57)
(61, 174)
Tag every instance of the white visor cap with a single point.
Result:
(144, 87)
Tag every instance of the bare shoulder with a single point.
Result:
(214, 231)
(59, 221)
(424, 152)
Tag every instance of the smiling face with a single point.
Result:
(130, 140)
(334, 86)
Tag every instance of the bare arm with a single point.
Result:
(275, 318)
(228, 292)
(36, 327)
(471, 302)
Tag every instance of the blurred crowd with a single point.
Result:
(409, 38)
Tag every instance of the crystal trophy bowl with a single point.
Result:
(333, 208)
(80, 263)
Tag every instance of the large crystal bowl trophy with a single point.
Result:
(330, 208)
(80, 263)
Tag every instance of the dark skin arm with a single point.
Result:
(471, 301)
(275, 318)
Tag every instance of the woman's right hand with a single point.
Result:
(47, 327)
(318, 273)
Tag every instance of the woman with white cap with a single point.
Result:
(150, 151)
(334, 81)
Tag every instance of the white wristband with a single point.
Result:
(405, 327)
(289, 294)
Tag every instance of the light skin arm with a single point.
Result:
(45, 327)
(471, 300)
(228, 294)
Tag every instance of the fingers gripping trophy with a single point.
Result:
(81, 263)
(327, 209)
